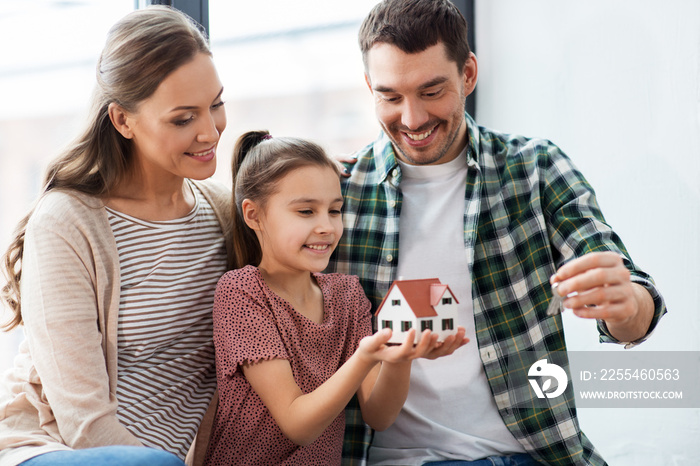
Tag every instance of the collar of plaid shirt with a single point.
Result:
(528, 210)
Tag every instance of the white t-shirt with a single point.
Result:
(450, 412)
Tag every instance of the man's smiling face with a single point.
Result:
(419, 101)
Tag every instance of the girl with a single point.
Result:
(119, 261)
(292, 344)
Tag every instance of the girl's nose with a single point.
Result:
(324, 224)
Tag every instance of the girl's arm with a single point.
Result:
(384, 391)
(303, 417)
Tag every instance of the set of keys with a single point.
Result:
(556, 305)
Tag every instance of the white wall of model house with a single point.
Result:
(428, 305)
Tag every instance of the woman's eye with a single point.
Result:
(218, 104)
(305, 212)
(183, 122)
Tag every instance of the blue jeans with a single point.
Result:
(512, 460)
(106, 456)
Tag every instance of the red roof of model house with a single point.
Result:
(420, 295)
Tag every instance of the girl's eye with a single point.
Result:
(335, 212)
(218, 104)
(305, 212)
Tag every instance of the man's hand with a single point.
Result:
(598, 286)
(342, 159)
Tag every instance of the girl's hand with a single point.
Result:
(374, 347)
(449, 345)
(384, 390)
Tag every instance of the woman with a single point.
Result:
(119, 261)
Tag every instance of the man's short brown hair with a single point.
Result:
(415, 25)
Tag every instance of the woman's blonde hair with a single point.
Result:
(141, 50)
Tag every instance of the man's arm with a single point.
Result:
(599, 287)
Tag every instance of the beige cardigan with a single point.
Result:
(70, 301)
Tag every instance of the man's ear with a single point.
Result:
(120, 120)
(251, 214)
(471, 74)
(369, 84)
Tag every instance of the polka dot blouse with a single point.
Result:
(252, 323)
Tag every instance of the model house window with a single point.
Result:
(387, 324)
(406, 325)
(396, 302)
(446, 300)
(426, 324)
(448, 324)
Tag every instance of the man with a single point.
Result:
(497, 217)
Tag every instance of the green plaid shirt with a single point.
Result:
(528, 211)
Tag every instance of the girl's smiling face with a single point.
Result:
(300, 224)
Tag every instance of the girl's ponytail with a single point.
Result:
(244, 144)
(246, 246)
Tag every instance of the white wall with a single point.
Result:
(616, 84)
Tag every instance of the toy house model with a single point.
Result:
(420, 304)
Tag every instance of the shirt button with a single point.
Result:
(389, 258)
(395, 172)
(392, 204)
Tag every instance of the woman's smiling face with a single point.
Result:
(176, 130)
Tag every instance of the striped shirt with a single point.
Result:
(166, 375)
(528, 210)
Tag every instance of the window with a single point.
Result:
(448, 324)
(396, 302)
(46, 77)
(446, 300)
(387, 324)
(426, 324)
(406, 325)
(323, 95)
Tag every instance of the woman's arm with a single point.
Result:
(60, 271)
(303, 417)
